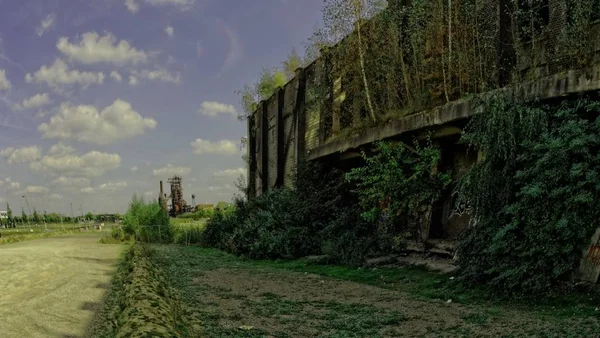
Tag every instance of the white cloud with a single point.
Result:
(87, 190)
(134, 169)
(133, 81)
(230, 172)
(58, 74)
(4, 83)
(159, 74)
(72, 181)
(170, 31)
(113, 186)
(55, 197)
(85, 123)
(61, 160)
(223, 147)
(213, 108)
(36, 189)
(13, 186)
(116, 76)
(93, 48)
(132, 6)
(221, 188)
(21, 155)
(180, 3)
(36, 101)
(46, 24)
(171, 170)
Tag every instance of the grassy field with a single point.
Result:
(231, 297)
(19, 234)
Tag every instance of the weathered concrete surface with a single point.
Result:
(51, 287)
(548, 87)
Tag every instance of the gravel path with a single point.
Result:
(51, 287)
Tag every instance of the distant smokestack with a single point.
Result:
(161, 189)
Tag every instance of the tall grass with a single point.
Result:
(144, 222)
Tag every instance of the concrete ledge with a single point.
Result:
(548, 87)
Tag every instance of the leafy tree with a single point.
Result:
(9, 214)
(534, 196)
(36, 216)
(293, 62)
(23, 215)
(89, 216)
(405, 180)
(46, 218)
(250, 96)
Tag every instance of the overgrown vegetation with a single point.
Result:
(320, 216)
(145, 222)
(141, 303)
(534, 197)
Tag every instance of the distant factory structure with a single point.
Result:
(175, 204)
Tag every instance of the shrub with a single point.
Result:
(534, 196)
(147, 222)
(408, 179)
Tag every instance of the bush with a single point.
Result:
(320, 216)
(146, 222)
(198, 215)
(282, 223)
(534, 197)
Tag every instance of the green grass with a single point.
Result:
(222, 309)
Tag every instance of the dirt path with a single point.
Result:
(51, 287)
(230, 297)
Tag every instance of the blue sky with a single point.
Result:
(103, 98)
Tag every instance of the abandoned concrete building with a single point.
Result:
(461, 53)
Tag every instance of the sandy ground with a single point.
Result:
(51, 287)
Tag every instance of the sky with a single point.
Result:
(100, 99)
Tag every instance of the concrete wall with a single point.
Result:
(297, 122)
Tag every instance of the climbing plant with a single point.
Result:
(534, 195)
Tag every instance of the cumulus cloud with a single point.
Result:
(213, 108)
(132, 6)
(93, 48)
(55, 197)
(46, 24)
(179, 3)
(36, 189)
(116, 76)
(223, 147)
(72, 181)
(87, 190)
(85, 123)
(134, 169)
(62, 160)
(59, 74)
(21, 155)
(36, 101)
(11, 186)
(4, 83)
(230, 172)
(133, 81)
(158, 74)
(170, 31)
(171, 170)
(113, 186)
